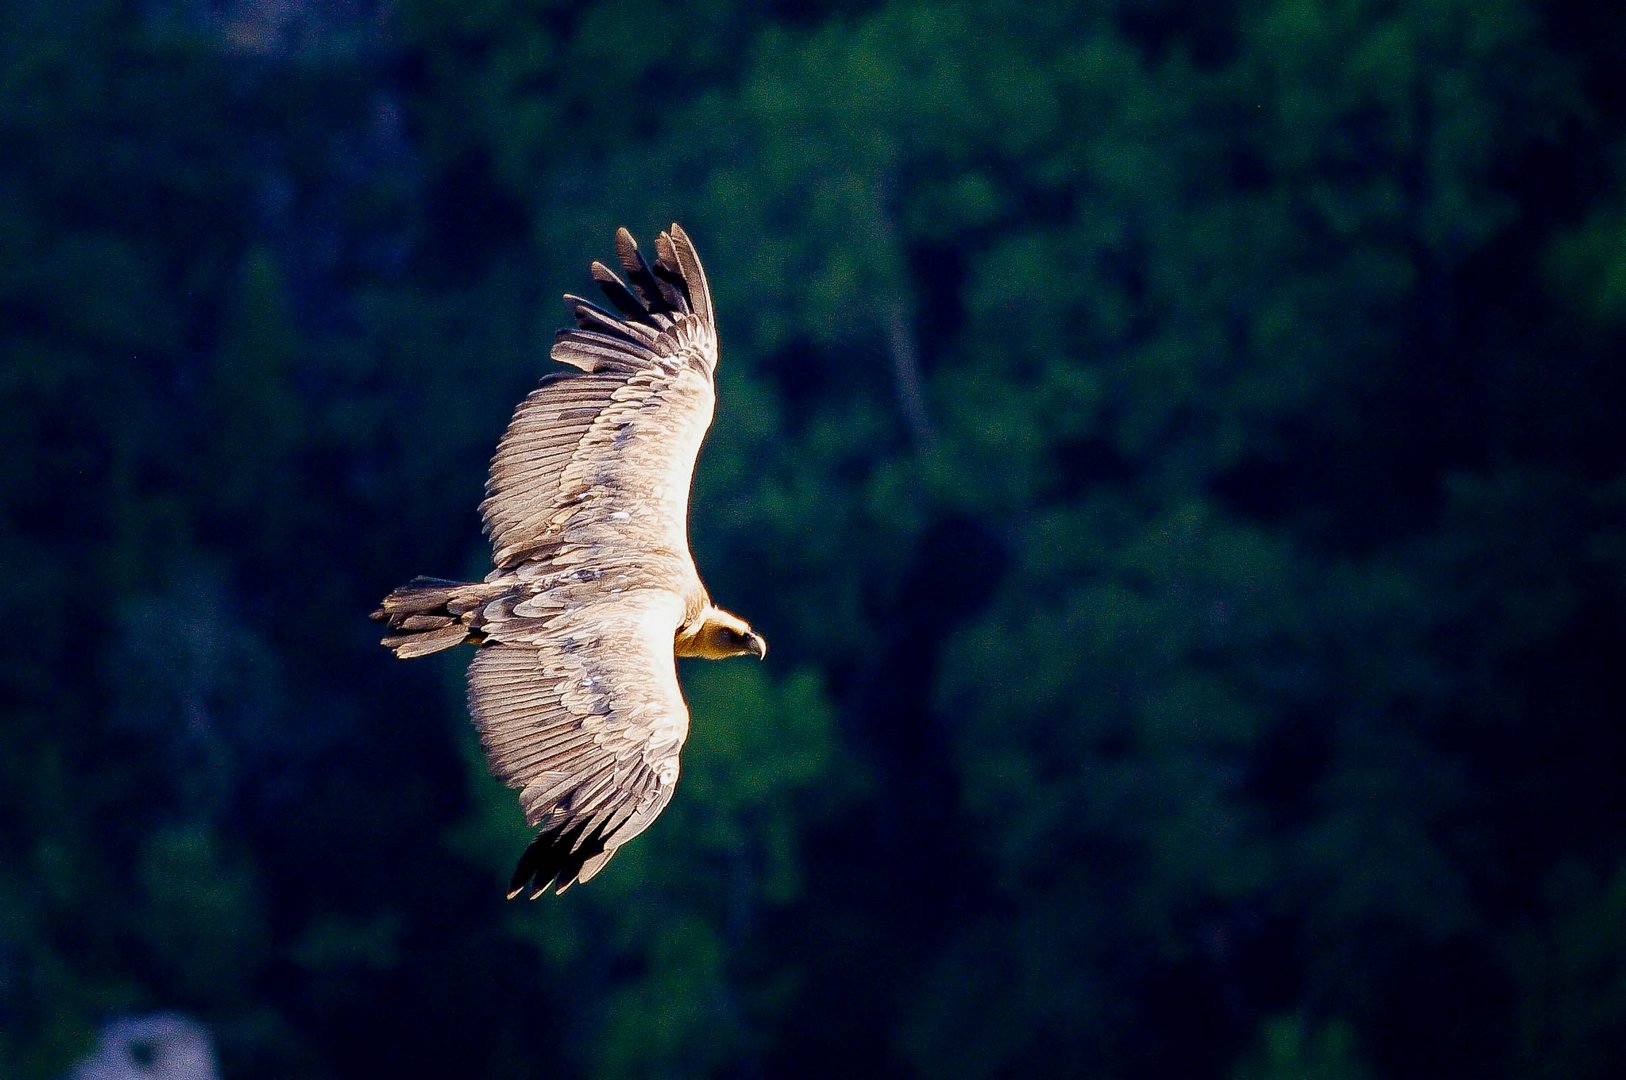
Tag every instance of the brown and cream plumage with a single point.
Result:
(573, 686)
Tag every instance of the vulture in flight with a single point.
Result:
(573, 684)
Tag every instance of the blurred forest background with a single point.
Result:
(1175, 451)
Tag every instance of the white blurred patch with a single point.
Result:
(160, 1046)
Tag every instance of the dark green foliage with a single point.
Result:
(1174, 450)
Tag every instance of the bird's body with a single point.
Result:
(594, 593)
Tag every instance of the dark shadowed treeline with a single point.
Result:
(1174, 450)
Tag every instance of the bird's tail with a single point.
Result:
(431, 614)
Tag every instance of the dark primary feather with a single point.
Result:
(656, 301)
(617, 291)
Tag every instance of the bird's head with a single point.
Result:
(721, 634)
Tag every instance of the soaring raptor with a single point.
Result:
(573, 685)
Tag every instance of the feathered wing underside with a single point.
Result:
(598, 460)
(574, 687)
(586, 719)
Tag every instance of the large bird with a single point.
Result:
(573, 684)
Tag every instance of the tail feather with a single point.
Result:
(431, 614)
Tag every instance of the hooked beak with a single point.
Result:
(759, 645)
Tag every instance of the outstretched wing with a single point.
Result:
(585, 718)
(599, 460)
